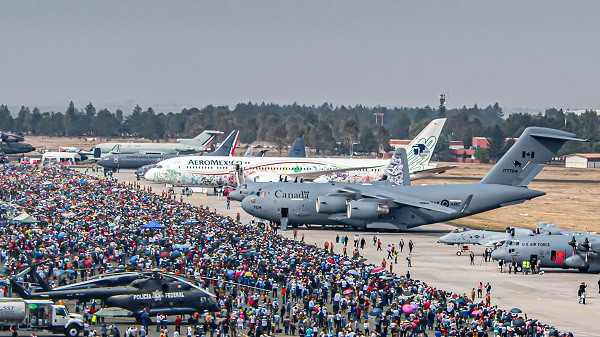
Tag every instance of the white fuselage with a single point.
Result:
(218, 171)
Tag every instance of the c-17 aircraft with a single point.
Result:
(579, 251)
(208, 171)
(199, 143)
(388, 206)
(482, 237)
(150, 292)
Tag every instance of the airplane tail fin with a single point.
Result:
(228, 146)
(528, 156)
(203, 139)
(420, 149)
(261, 153)
(397, 170)
(249, 151)
(297, 150)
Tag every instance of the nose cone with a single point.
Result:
(248, 204)
(444, 239)
(102, 162)
(150, 174)
(498, 254)
(237, 195)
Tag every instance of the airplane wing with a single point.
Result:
(402, 200)
(434, 170)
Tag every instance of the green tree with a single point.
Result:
(6, 120)
(23, 122)
(349, 132)
(368, 141)
(482, 155)
(495, 143)
(401, 127)
(70, 123)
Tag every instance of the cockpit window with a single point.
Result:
(159, 166)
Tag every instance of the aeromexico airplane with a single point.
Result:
(214, 171)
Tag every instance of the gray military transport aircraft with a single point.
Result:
(580, 251)
(388, 206)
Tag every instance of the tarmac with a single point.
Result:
(551, 298)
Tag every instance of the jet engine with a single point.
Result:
(331, 204)
(362, 209)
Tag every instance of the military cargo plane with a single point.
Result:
(388, 206)
(137, 160)
(199, 143)
(579, 251)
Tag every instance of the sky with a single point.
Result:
(170, 54)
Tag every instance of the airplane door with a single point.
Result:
(533, 259)
(284, 218)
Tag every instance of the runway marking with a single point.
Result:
(515, 292)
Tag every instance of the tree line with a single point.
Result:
(327, 128)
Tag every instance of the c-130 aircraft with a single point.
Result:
(389, 206)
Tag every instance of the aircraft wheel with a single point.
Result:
(72, 330)
(458, 253)
(583, 270)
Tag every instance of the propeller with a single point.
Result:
(573, 243)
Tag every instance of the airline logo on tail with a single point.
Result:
(419, 151)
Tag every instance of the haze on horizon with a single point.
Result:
(521, 54)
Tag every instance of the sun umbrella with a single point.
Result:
(348, 291)
(164, 254)
(518, 322)
(352, 272)
(407, 309)
(238, 273)
(378, 270)
(375, 312)
(347, 263)
(414, 306)
(134, 258)
(476, 312)
(330, 261)
(516, 310)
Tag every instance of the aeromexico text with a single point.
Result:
(213, 162)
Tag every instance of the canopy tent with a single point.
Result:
(25, 218)
(153, 225)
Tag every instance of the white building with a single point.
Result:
(583, 160)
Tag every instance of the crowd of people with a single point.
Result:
(265, 284)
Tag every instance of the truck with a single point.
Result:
(37, 315)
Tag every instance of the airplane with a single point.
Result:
(13, 144)
(482, 237)
(553, 251)
(388, 206)
(297, 148)
(199, 143)
(207, 171)
(151, 293)
(396, 172)
(137, 160)
(552, 229)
